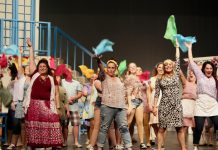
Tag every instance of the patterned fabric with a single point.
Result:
(134, 87)
(42, 125)
(74, 118)
(19, 113)
(88, 110)
(170, 108)
(205, 85)
(113, 92)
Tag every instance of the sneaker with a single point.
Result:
(112, 147)
(90, 147)
(196, 148)
(64, 144)
(152, 142)
(78, 145)
(12, 146)
(87, 142)
(119, 147)
(143, 146)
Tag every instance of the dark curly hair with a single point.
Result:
(44, 61)
(14, 72)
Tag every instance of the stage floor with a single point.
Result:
(170, 144)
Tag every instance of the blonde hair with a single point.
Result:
(167, 61)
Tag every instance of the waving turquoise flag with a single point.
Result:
(171, 30)
(10, 50)
(104, 46)
(181, 39)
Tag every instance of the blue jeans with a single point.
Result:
(107, 116)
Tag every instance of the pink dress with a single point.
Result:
(189, 96)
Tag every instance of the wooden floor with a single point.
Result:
(171, 143)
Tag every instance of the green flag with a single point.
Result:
(122, 67)
(171, 29)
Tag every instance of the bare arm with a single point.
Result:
(182, 77)
(177, 49)
(78, 96)
(101, 74)
(32, 58)
(20, 68)
(97, 85)
(148, 94)
(190, 56)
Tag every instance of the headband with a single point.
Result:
(112, 61)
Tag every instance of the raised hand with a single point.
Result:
(29, 43)
(97, 57)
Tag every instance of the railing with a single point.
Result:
(16, 31)
(47, 41)
(64, 46)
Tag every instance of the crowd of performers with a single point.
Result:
(45, 101)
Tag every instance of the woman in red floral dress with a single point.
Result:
(42, 121)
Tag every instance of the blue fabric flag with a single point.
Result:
(104, 46)
(10, 50)
(181, 39)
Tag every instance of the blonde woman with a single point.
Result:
(170, 107)
(135, 101)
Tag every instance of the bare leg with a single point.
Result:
(76, 134)
(65, 133)
(95, 131)
(139, 121)
(147, 128)
(23, 136)
(160, 137)
(181, 138)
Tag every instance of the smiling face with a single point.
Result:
(138, 71)
(160, 70)
(208, 70)
(43, 69)
(168, 66)
(111, 69)
(132, 68)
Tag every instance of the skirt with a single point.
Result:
(42, 126)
